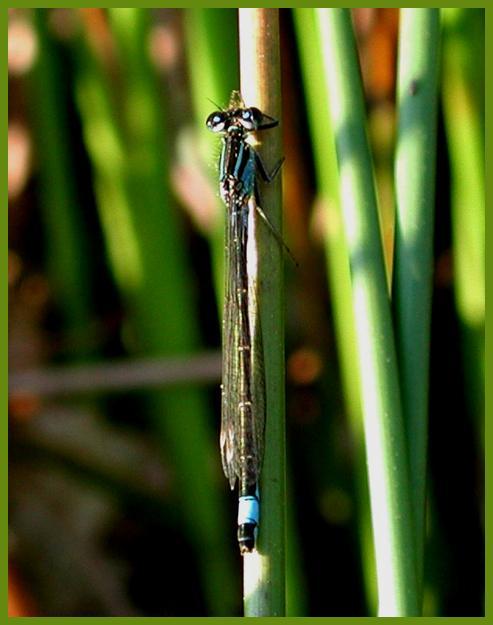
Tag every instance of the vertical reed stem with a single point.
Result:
(264, 591)
(383, 424)
(413, 261)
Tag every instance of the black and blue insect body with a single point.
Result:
(243, 382)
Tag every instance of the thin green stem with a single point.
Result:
(67, 252)
(384, 430)
(413, 260)
(463, 102)
(264, 593)
(212, 37)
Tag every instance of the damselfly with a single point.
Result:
(243, 383)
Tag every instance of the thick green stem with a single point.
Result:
(413, 260)
(384, 430)
(337, 270)
(260, 84)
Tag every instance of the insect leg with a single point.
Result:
(261, 168)
(271, 226)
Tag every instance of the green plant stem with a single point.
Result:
(413, 255)
(67, 250)
(463, 102)
(264, 593)
(325, 161)
(212, 45)
(384, 431)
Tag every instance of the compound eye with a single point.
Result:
(216, 121)
(250, 118)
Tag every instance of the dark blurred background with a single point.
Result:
(117, 502)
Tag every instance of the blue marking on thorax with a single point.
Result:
(239, 160)
(248, 176)
(221, 161)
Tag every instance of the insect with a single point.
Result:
(243, 382)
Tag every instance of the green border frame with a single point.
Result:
(4, 376)
(152, 4)
(488, 367)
